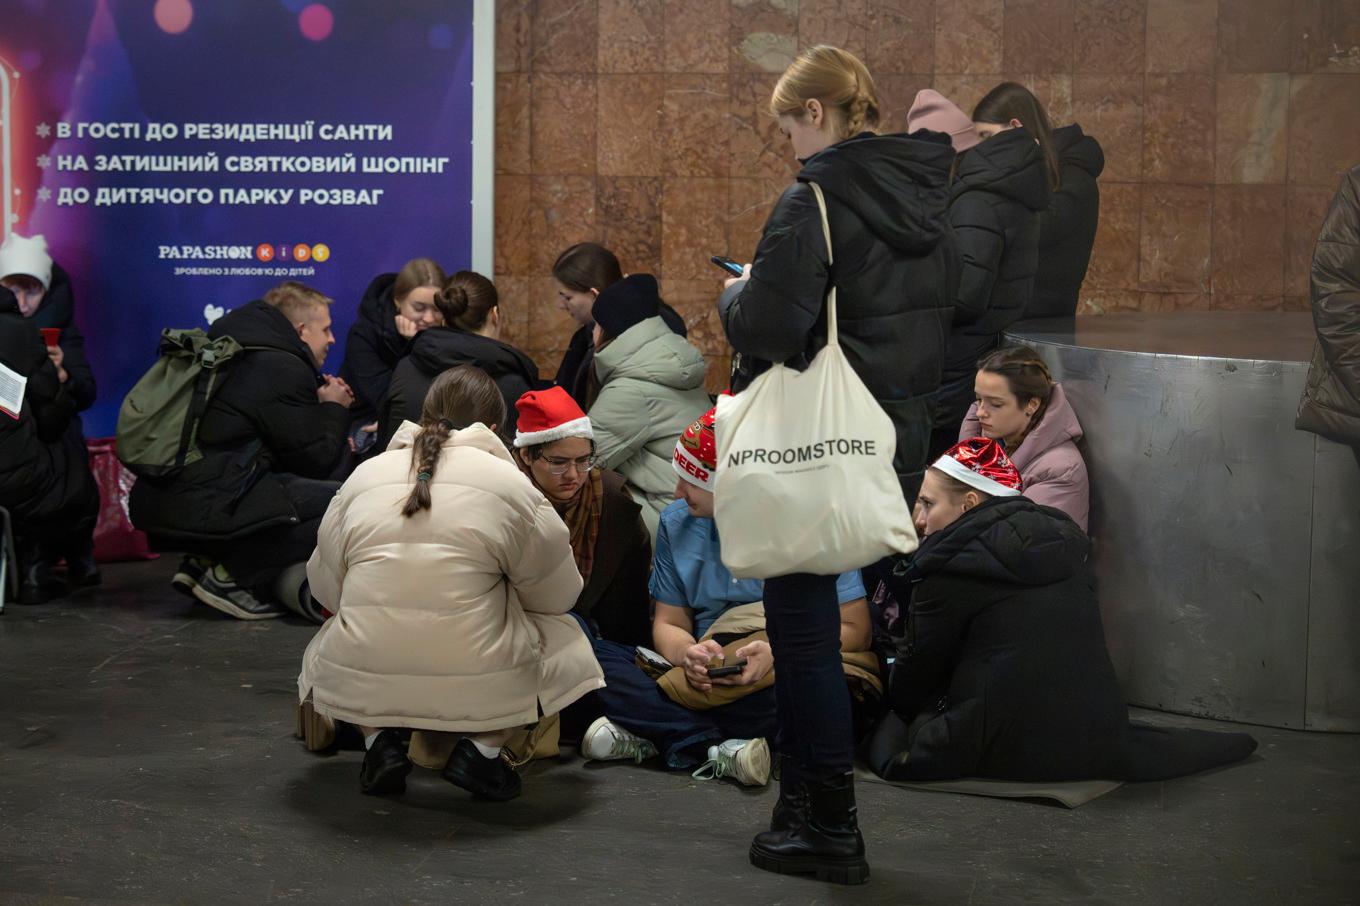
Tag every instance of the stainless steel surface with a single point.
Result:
(1227, 543)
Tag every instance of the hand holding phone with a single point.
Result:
(731, 669)
(727, 264)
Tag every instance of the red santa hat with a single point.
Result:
(980, 463)
(549, 415)
(696, 453)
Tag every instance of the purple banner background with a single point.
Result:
(404, 64)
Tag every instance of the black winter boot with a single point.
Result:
(81, 570)
(828, 844)
(37, 583)
(790, 810)
(385, 766)
(490, 778)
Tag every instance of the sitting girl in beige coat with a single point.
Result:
(451, 577)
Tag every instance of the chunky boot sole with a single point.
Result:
(848, 873)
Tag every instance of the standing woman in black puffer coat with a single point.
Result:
(896, 275)
(1000, 190)
(1067, 228)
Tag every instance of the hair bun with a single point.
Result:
(453, 300)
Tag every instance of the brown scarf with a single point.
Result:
(582, 516)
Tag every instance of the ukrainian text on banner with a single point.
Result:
(182, 156)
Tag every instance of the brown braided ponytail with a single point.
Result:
(836, 78)
(458, 398)
(1027, 378)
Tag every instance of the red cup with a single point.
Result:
(51, 335)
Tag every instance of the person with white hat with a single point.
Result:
(42, 290)
(1001, 669)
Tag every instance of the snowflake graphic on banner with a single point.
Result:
(44, 194)
(44, 161)
(44, 130)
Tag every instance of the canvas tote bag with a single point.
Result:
(805, 468)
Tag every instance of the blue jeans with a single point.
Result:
(803, 619)
(634, 701)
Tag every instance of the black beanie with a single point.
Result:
(626, 304)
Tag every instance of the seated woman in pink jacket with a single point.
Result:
(1021, 406)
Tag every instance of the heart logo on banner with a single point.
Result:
(212, 312)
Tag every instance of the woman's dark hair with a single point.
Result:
(459, 397)
(466, 299)
(586, 266)
(1027, 378)
(1013, 101)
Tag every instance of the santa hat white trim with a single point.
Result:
(955, 469)
(688, 467)
(577, 427)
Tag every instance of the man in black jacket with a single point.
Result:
(271, 437)
(47, 489)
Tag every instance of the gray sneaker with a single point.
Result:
(218, 590)
(189, 574)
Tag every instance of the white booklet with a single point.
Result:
(12, 385)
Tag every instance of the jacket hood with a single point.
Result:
(58, 307)
(261, 324)
(1077, 149)
(376, 316)
(1007, 539)
(478, 436)
(1008, 164)
(1059, 425)
(650, 352)
(437, 349)
(896, 184)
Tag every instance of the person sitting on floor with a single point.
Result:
(1001, 668)
(580, 273)
(1020, 406)
(451, 599)
(651, 387)
(43, 294)
(271, 437)
(395, 309)
(704, 618)
(45, 484)
(555, 447)
(468, 334)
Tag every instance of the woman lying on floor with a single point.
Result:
(1001, 668)
(450, 577)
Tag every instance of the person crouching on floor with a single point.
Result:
(704, 619)
(451, 577)
(1001, 669)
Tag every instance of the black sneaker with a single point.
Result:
(489, 778)
(188, 574)
(218, 590)
(385, 766)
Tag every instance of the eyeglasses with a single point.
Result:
(560, 466)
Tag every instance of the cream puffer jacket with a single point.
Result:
(456, 618)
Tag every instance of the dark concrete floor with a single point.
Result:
(146, 755)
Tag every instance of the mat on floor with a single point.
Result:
(1072, 794)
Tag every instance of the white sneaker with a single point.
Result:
(607, 741)
(746, 761)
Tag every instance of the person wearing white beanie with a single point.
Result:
(43, 292)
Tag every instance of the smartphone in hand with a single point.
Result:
(727, 264)
(731, 669)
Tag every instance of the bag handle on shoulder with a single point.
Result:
(832, 333)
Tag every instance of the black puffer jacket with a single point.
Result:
(1068, 229)
(896, 272)
(373, 347)
(264, 420)
(44, 480)
(573, 374)
(1002, 669)
(58, 309)
(999, 193)
(438, 349)
(1331, 398)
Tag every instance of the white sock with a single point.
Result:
(370, 739)
(487, 751)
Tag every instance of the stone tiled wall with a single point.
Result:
(1226, 126)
